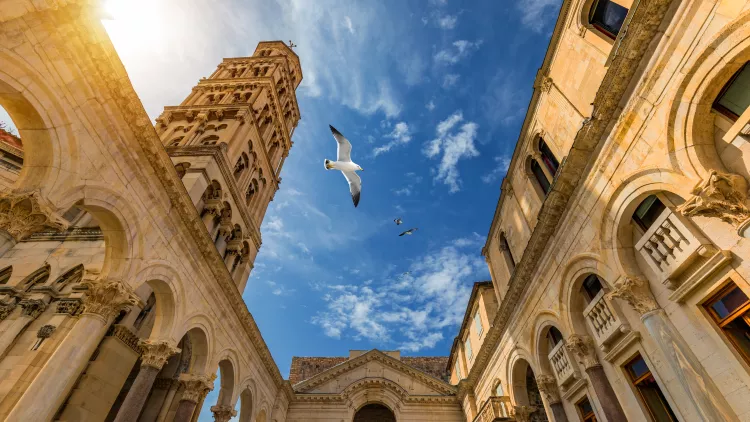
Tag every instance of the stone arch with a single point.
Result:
(570, 301)
(166, 285)
(690, 134)
(246, 405)
(374, 390)
(374, 412)
(545, 320)
(616, 241)
(37, 277)
(497, 388)
(228, 382)
(69, 277)
(524, 389)
(198, 329)
(209, 140)
(262, 414)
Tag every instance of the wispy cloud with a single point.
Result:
(455, 146)
(450, 80)
(400, 135)
(348, 24)
(535, 14)
(501, 167)
(412, 180)
(430, 106)
(447, 21)
(505, 101)
(458, 51)
(416, 307)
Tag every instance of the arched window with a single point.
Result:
(553, 338)
(175, 142)
(510, 262)
(647, 212)
(607, 16)
(548, 158)
(734, 98)
(210, 140)
(150, 303)
(591, 287)
(540, 177)
(39, 276)
(5, 274)
(498, 391)
(72, 276)
(251, 189)
(241, 165)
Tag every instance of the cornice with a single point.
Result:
(377, 383)
(105, 68)
(575, 168)
(372, 355)
(217, 153)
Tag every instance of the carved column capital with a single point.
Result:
(32, 307)
(25, 213)
(196, 386)
(523, 413)
(213, 206)
(223, 413)
(108, 297)
(582, 347)
(720, 195)
(636, 292)
(46, 331)
(548, 387)
(156, 352)
(6, 310)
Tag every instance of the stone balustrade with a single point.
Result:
(496, 408)
(562, 365)
(604, 320)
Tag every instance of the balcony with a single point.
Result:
(671, 245)
(605, 321)
(562, 365)
(496, 408)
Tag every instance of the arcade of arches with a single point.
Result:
(618, 251)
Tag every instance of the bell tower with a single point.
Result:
(228, 140)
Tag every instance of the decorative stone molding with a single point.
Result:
(32, 307)
(25, 213)
(636, 292)
(126, 336)
(523, 413)
(584, 350)
(107, 298)
(164, 383)
(548, 387)
(6, 310)
(156, 352)
(720, 195)
(46, 331)
(223, 413)
(196, 386)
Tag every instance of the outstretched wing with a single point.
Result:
(345, 147)
(406, 232)
(355, 185)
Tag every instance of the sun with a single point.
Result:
(138, 26)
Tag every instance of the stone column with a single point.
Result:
(708, 401)
(104, 300)
(167, 401)
(196, 388)
(523, 413)
(155, 355)
(31, 309)
(582, 347)
(212, 209)
(223, 413)
(548, 387)
(225, 229)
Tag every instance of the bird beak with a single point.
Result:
(361, 169)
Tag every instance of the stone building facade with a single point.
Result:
(619, 247)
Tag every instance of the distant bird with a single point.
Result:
(291, 44)
(409, 232)
(406, 273)
(398, 221)
(344, 163)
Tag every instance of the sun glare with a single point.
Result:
(138, 26)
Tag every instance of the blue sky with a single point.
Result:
(432, 95)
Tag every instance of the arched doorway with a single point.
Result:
(374, 412)
(525, 390)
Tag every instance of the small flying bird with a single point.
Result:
(345, 165)
(398, 221)
(291, 44)
(409, 232)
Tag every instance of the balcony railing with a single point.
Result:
(496, 408)
(670, 245)
(561, 364)
(604, 321)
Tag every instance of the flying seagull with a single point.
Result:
(409, 232)
(344, 163)
(398, 221)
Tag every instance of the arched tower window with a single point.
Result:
(607, 16)
(734, 98)
(39, 276)
(548, 158)
(540, 177)
(210, 140)
(510, 262)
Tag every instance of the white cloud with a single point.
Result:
(501, 167)
(535, 14)
(430, 106)
(400, 135)
(447, 21)
(411, 181)
(450, 80)
(503, 102)
(417, 306)
(348, 24)
(458, 51)
(455, 146)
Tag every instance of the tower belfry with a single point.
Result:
(228, 140)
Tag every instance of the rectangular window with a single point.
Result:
(730, 310)
(467, 348)
(734, 98)
(458, 371)
(585, 410)
(608, 17)
(651, 396)
(478, 324)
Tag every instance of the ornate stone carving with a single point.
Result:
(720, 195)
(523, 413)
(32, 307)
(548, 386)
(223, 413)
(108, 297)
(126, 336)
(6, 310)
(156, 352)
(636, 292)
(197, 386)
(545, 83)
(582, 347)
(46, 331)
(25, 213)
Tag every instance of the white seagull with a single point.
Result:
(398, 221)
(344, 163)
(409, 232)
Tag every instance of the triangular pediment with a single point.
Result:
(374, 365)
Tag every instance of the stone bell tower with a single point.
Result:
(228, 140)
